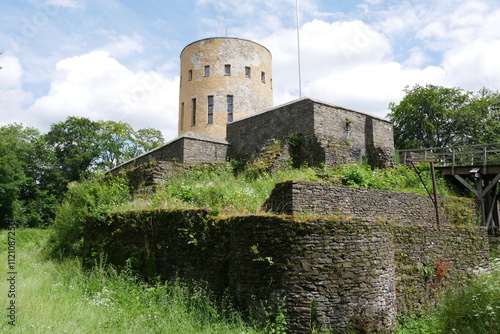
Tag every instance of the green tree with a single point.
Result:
(147, 139)
(34, 200)
(82, 147)
(12, 180)
(116, 144)
(75, 144)
(120, 143)
(36, 169)
(487, 104)
(435, 116)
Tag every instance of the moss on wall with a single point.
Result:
(327, 273)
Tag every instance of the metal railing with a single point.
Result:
(473, 155)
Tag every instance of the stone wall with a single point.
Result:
(331, 274)
(330, 134)
(322, 134)
(190, 148)
(300, 197)
(327, 273)
(249, 135)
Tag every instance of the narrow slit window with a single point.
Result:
(190, 75)
(227, 69)
(182, 116)
(248, 72)
(210, 118)
(229, 108)
(263, 77)
(207, 70)
(193, 112)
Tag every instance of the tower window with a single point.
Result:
(190, 75)
(182, 116)
(229, 108)
(193, 112)
(263, 77)
(207, 70)
(227, 69)
(210, 118)
(248, 72)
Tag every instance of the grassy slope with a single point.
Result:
(58, 297)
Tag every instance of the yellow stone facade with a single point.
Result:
(223, 80)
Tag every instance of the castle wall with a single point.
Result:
(190, 148)
(346, 135)
(327, 273)
(301, 197)
(247, 136)
(331, 135)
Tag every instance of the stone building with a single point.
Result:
(226, 111)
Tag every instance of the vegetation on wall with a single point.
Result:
(226, 190)
(473, 307)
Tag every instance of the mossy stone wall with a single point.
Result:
(326, 273)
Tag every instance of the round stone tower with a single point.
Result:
(222, 80)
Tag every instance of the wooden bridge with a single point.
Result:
(476, 167)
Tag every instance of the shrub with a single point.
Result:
(89, 198)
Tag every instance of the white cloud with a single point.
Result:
(326, 50)
(65, 3)
(97, 86)
(370, 88)
(474, 66)
(11, 72)
(12, 95)
(123, 45)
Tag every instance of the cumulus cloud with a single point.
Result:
(97, 86)
(365, 65)
(12, 95)
(328, 52)
(475, 66)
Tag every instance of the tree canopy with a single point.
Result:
(35, 169)
(436, 116)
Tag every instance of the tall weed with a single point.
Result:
(60, 297)
(472, 308)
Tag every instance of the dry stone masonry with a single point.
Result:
(327, 273)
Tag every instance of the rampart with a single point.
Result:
(327, 273)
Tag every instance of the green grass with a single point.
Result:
(471, 309)
(227, 190)
(60, 297)
(222, 190)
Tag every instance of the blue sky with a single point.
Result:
(119, 60)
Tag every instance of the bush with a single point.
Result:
(89, 198)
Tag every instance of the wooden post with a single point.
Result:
(436, 199)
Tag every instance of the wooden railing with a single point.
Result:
(456, 156)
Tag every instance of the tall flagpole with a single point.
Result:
(298, 46)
